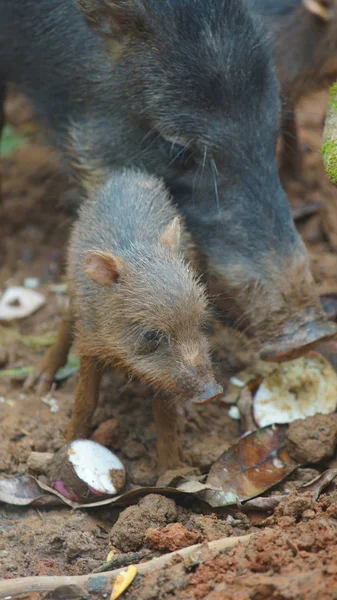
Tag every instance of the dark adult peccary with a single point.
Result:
(305, 40)
(135, 303)
(187, 90)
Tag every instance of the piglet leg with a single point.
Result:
(86, 398)
(168, 443)
(44, 374)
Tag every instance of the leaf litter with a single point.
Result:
(256, 463)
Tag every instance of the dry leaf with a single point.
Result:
(256, 463)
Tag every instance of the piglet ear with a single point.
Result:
(171, 236)
(103, 268)
(117, 19)
(325, 9)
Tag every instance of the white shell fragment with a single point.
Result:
(93, 464)
(295, 390)
(19, 302)
(234, 413)
(32, 283)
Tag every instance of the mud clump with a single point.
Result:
(171, 537)
(293, 508)
(314, 439)
(211, 527)
(153, 511)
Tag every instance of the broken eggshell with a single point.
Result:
(84, 469)
(295, 390)
(18, 302)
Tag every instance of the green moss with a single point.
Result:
(329, 152)
(333, 97)
(10, 141)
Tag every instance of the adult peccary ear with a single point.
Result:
(102, 267)
(171, 236)
(117, 19)
(325, 9)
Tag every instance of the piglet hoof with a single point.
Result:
(41, 379)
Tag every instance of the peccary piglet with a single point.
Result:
(136, 302)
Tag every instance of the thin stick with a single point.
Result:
(102, 583)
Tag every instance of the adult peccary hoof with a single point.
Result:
(293, 345)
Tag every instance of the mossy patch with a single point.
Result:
(329, 152)
(333, 97)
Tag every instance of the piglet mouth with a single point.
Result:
(299, 342)
(207, 393)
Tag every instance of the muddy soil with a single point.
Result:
(291, 554)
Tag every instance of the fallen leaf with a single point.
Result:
(44, 340)
(22, 490)
(110, 555)
(20, 373)
(72, 366)
(253, 465)
(268, 504)
(317, 485)
(123, 581)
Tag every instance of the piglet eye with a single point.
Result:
(150, 341)
(151, 336)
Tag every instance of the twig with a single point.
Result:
(123, 560)
(102, 583)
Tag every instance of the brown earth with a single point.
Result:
(293, 559)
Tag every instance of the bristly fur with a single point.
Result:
(156, 289)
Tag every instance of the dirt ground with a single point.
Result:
(291, 555)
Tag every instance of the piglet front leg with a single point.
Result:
(168, 440)
(86, 398)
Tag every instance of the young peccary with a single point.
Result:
(136, 303)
